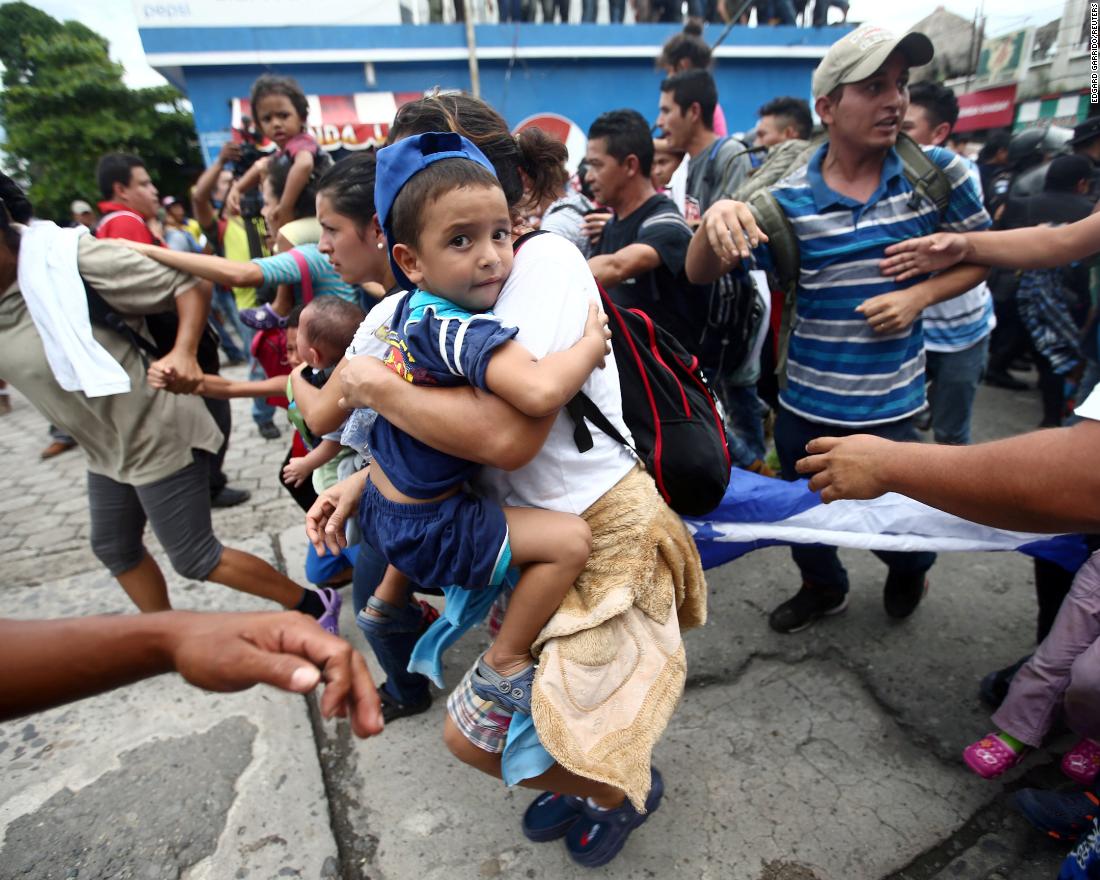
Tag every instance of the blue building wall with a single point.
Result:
(578, 71)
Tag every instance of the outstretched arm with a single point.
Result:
(50, 662)
(629, 262)
(1043, 481)
(1035, 247)
(228, 273)
(201, 207)
(180, 367)
(725, 237)
(540, 387)
(220, 388)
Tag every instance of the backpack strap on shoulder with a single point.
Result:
(711, 173)
(101, 314)
(782, 241)
(928, 180)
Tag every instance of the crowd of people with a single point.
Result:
(831, 282)
(761, 13)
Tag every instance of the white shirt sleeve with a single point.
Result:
(366, 340)
(1090, 409)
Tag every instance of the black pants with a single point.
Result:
(1052, 390)
(1010, 339)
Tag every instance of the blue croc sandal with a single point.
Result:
(512, 693)
(551, 815)
(598, 835)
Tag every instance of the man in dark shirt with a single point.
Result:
(640, 256)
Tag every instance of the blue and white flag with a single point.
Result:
(762, 512)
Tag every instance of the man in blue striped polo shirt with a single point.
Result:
(856, 355)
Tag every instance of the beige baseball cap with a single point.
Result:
(857, 55)
(80, 207)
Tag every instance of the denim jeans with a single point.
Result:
(616, 10)
(782, 10)
(821, 10)
(394, 647)
(743, 412)
(955, 376)
(510, 10)
(548, 8)
(225, 312)
(263, 412)
(820, 565)
(588, 11)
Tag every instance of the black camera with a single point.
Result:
(252, 201)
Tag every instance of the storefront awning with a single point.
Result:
(342, 122)
(989, 108)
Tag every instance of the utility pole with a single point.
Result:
(977, 37)
(471, 49)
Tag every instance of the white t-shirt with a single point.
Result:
(1090, 408)
(546, 297)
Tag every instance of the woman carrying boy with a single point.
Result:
(643, 576)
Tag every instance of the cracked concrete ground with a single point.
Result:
(828, 755)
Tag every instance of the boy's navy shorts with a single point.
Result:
(461, 541)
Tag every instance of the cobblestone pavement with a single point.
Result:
(828, 755)
(44, 517)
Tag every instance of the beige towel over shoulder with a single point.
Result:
(612, 665)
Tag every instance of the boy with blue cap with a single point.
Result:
(449, 231)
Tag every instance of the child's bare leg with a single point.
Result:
(552, 548)
(284, 300)
(557, 778)
(393, 588)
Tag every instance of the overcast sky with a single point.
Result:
(115, 20)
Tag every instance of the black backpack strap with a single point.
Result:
(101, 313)
(581, 408)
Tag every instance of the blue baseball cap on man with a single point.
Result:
(400, 162)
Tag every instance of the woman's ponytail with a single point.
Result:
(542, 159)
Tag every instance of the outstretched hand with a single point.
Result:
(178, 372)
(731, 230)
(919, 256)
(288, 650)
(847, 467)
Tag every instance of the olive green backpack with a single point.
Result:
(928, 180)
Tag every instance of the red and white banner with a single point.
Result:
(989, 108)
(564, 129)
(341, 122)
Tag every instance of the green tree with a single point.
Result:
(64, 105)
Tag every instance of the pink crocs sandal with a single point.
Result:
(991, 756)
(1082, 762)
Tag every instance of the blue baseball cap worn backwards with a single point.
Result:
(400, 162)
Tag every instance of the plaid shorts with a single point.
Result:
(482, 722)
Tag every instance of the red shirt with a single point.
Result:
(118, 221)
